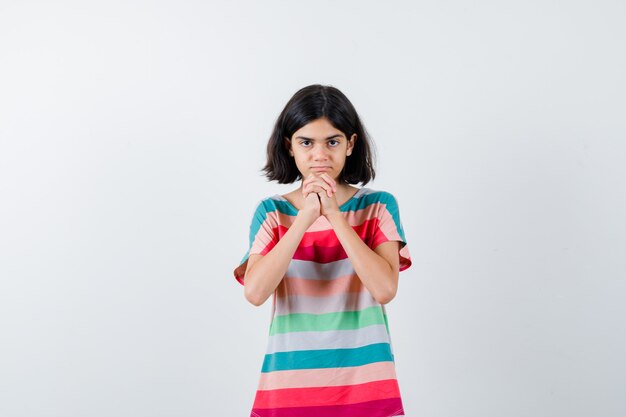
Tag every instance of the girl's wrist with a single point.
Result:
(306, 216)
(334, 216)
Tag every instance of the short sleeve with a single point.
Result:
(262, 237)
(389, 227)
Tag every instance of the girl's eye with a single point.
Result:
(333, 144)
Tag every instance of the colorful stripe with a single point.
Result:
(327, 376)
(377, 408)
(335, 339)
(327, 358)
(342, 320)
(299, 286)
(316, 396)
(329, 351)
(346, 301)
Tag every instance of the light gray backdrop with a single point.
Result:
(132, 135)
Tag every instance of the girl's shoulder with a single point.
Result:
(367, 198)
(380, 200)
(366, 191)
(375, 196)
(273, 203)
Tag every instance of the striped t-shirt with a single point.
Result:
(329, 352)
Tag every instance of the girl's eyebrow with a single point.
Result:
(330, 137)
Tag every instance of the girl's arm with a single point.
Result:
(378, 269)
(264, 274)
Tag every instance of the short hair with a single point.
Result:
(306, 105)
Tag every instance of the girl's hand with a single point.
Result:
(329, 204)
(311, 208)
(325, 187)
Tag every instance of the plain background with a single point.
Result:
(132, 138)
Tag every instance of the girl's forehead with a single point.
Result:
(318, 129)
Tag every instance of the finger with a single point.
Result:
(327, 193)
(330, 181)
(307, 179)
(321, 190)
(329, 188)
(327, 179)
(312, 179)
(307, 183)
(321, 183)
(312, 188)
(324, 189)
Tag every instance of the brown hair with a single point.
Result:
(308, 104)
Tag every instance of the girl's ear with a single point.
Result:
(351, 144)
(288, 145)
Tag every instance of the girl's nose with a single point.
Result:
(320, 153)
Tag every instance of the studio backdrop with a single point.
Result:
(132, 137)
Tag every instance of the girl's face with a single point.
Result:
(318, 147)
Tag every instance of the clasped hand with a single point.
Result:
(319, 193)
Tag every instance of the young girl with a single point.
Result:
(330, 254)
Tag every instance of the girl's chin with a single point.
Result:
(320, 172)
